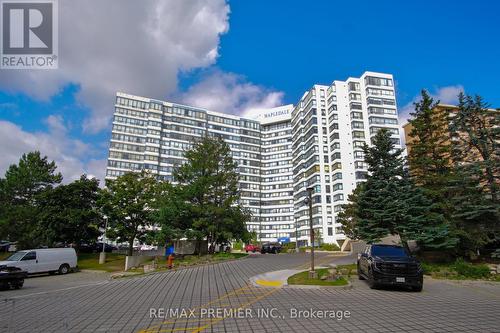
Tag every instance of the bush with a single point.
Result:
(329, 247)
(238, 246)
(470, 271)
(288, 246)
(496, 254)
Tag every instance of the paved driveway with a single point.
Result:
(220, 300)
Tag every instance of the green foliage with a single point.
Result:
(469, 270)
(430, 152)
(476, 154)
(127, 202)
(69, 213)
(205, 202)
(459, 269)
(389, 202)
(20, 193)
(290, 246)
(349, 216)
(329, 247)
(238, 246)
(302, 278)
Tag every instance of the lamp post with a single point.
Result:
(296, 237)
(102, 255)
(308, 200)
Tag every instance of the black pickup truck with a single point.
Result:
(389, 265)
(11, 277)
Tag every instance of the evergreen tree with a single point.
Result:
(348, 217)
(430, 152)
(476, 132)
(390, 204)
(207, 195)
(20, 192)
(476, 155)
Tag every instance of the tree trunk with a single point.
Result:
(130, 250)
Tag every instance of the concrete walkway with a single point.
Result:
(276, 279)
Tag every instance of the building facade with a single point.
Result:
(280, 153)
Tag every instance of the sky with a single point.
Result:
(235, 57)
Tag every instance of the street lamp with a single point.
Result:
(296, 237)
(308, 200)
(102, 255)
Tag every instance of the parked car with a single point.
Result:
(146, 247)
(4, 245)
(96, 247)
(389, 265)
(11, 277)
(107, 247)
(271, 248)
(61, 260)
(252, 248)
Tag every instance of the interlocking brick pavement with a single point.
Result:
(124, 305)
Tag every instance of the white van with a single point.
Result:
(61, 260)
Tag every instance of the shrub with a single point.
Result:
(470, 271)
(238, 246)
(288, 246)
(329, 247)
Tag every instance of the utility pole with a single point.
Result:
(312, 272)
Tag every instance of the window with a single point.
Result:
(30, 256)
(378, 81)
(330, 231)
(353, 86)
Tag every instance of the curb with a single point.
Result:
(348, 286)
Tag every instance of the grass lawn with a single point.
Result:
(5, 255)
(303, 279)
(459, 270)
(191, 260)
(114, 262)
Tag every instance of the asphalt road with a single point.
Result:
(218, 298)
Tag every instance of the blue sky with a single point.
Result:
(235, 57)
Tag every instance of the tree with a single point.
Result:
(430, 152)
(348, 217)
(207, 195)
(20, 192)
(475, 129)
(127, 202)
(68, 213)
(389, 202)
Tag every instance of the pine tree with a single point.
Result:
(21, 189)
(430, 152)
(207, 194)
(475, 130)
(390, 204)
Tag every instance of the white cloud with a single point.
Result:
(66, 152)
(230, 93)
(133, 46)
(445, 95)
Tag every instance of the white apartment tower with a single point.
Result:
(330, 125)
(280, 152)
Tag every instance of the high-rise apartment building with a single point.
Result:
(280, 153)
